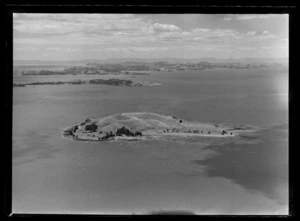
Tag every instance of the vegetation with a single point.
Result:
(138, 133)
(91, 127)
(111, 81)
(124, 131)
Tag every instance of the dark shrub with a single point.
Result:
(138, 133)
(91, 127)
(124, 131)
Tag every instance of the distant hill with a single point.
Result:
(145, 60)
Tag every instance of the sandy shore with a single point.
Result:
(149, 135)
(192, 135)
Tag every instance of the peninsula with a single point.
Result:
(111, 81)
(142, 125)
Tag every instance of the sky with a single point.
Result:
(187, 36)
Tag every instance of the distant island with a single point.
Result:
(111, 81)
(142, 125)
(131, 67)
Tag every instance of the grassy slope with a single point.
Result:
(136, 121)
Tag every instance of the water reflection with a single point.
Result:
(258, 167)
(33, 146)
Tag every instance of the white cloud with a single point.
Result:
(52, 49)
(129, 49)
(263, 37)
(70, 23)
(222, 34)
(251, 33)
(26, 49)
(114, 29)
(58, 49)
(165, 27)
(246, 48)
(249, 16)
(124, 33)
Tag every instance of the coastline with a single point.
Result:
(152, 135)
(111, 82)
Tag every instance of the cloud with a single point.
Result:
(73, 23)
(115, 29)
(129, 49)
(26, 49)
(246, 48)
(265, 48)
(263, 37)
(165, 27)
(57, 49)
(221, 34)
(251, 33)
(248, 16)
(101, 34)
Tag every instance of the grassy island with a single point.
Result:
(137, 126)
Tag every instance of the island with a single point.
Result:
(111, 81)
(143, 125)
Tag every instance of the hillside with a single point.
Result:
(135, 121)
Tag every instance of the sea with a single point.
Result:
(206, 176)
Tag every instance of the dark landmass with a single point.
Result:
(111, 81)
(138, 67)
(172, 212)
(152, 60)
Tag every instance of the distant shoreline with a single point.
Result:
(133, 68)
(111, 81)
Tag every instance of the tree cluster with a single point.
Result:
(91, 127)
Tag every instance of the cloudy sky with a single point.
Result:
(100, 36)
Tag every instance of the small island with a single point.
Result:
(141, 125)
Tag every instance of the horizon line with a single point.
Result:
(120, 58)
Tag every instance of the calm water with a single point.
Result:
(246, 175)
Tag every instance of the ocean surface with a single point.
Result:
(243, 175)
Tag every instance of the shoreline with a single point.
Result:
(111, 82)
(146, 136)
